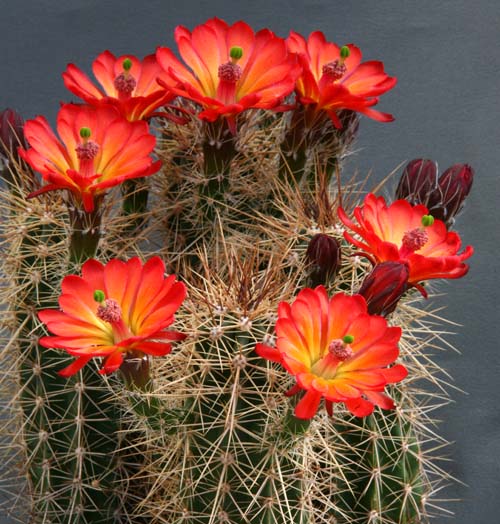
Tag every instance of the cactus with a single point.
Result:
(245, 212)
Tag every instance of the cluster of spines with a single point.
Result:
(66, 428)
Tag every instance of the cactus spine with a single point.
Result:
(69, 427)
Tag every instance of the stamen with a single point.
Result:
(110, 312)
(87, 150)
(334, 70)
(230, 72)
(415, 239)
(125, 83)
(339, 349)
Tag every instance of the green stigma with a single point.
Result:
(344, 52)
(99, 296)
(348, 339)
(427, 220)
(236, 52)
(85, 132)
(127, 64)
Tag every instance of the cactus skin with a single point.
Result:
(234, 463)
(69, 426)
(385, 480)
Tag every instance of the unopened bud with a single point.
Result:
(324, 256)
(454, 185)
(418, 182)
(11, 132)
(384, 286)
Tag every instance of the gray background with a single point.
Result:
(446, 56)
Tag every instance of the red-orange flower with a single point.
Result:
(127, 83)
(112, 310)
(231, 68)
(397, 233)
(98, 149)
(336, 351)
(333, 78)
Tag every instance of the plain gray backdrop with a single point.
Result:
(446, 56)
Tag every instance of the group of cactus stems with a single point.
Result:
(206, 434)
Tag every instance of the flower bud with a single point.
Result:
(418, 181)
(384, 286)
(11, 133)
(324, 256)
(454, 185)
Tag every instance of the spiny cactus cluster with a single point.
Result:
(245, 212)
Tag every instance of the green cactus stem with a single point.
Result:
(385, 482)
(85, 233)
(240, 470)
(135, 203)
(294, 148)
(70, 426)
(218, 153)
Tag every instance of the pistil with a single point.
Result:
(335, 70)
(415, 239)
(229, 73)
(125, 83)
(110, 311)
(86, 151)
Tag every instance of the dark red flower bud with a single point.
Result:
(384, 286)
(454, 185)
(11, 133)
(324, 257)
(418, 182)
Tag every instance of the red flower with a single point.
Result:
(98, 149)
(112, 310)
(335, 350)
(127, 83)
(396, 233)
(334, 78)
(231, 68)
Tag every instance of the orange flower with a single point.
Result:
(333, 78)
(112, 310)
(98, 149)
(231, 69)
(335, 350)
(406, 233)
(127, 83)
